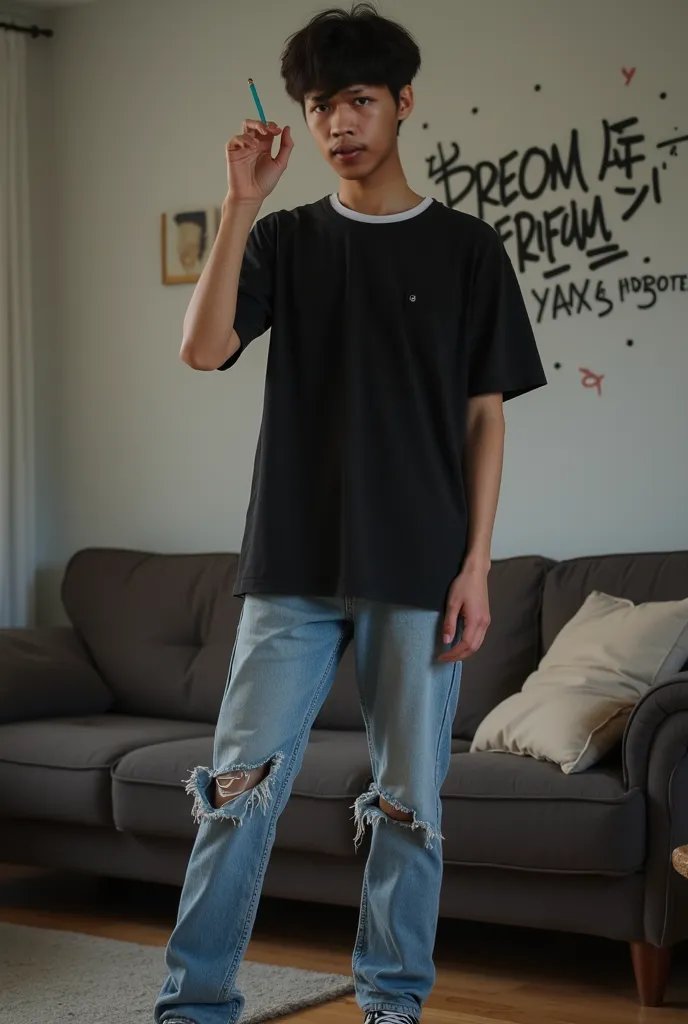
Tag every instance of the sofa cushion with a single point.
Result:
(59, 769)
(160, 628)
(511, 649)
(149, 795)
(661, 576)
(502, 810)
(573, 709)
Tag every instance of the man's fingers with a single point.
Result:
(242, 150)
(255, 127)
(242, 142)
(251, 125)
(475, 624)
(471, 630)
(466, 647)
(451, 616)
(284, 151)
(457, 653)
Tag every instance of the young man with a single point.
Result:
(398, 328)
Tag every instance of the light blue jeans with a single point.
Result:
(285, 658)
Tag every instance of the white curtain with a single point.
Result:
(17, 474)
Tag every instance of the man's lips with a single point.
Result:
(347, 152)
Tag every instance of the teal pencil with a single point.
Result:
(259, 105)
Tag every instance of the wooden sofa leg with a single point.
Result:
(651, 967)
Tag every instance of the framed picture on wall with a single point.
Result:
(187, 238)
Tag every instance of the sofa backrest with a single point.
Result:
(658, 576)
(160, 628)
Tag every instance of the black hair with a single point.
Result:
(339, 48)
(200, 220)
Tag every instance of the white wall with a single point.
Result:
(154, 455)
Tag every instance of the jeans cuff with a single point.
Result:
(392, 1008)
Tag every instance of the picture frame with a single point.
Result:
(187, 236)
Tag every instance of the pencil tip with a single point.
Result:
(250, 81)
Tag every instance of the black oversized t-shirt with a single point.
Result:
(381, 329)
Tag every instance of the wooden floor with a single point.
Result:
(485, 974)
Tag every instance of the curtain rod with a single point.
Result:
(32, 30)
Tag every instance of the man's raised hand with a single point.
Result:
(252, 170)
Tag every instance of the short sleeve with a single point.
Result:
(253, 315)
(503, 355)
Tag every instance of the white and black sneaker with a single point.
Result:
(390, 1017)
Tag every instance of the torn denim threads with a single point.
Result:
(202, 781)
(367, 811)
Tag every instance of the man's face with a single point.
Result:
(356, 130)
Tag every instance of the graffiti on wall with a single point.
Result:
(556, 205)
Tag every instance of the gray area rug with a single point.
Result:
(54, 977)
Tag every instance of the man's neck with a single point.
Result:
(384, 192)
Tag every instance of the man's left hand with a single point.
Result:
(467, 598)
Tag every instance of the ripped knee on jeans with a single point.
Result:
(232, 791)
(233, 784)
(374, 808)
(394, 812)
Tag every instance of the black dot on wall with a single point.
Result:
(630, 342)
(557, 366)
(664, 166)
(646, 260)
(474, 110)
(538, 88)
(425, 124)
(662, 95)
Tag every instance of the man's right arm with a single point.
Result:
(209, 338)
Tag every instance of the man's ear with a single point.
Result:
(406, 103)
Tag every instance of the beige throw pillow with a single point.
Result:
(574, 707)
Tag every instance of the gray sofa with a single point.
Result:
(102, 721)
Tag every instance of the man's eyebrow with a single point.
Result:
(322, 97)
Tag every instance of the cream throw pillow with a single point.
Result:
(574, 707)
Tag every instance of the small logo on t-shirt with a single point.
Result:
(412, 298)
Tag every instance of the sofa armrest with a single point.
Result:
(655, 758)
(653, 714)
(45, 673)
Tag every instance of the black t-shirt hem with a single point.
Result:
(246, 585)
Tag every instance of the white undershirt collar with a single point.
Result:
(385, 218)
